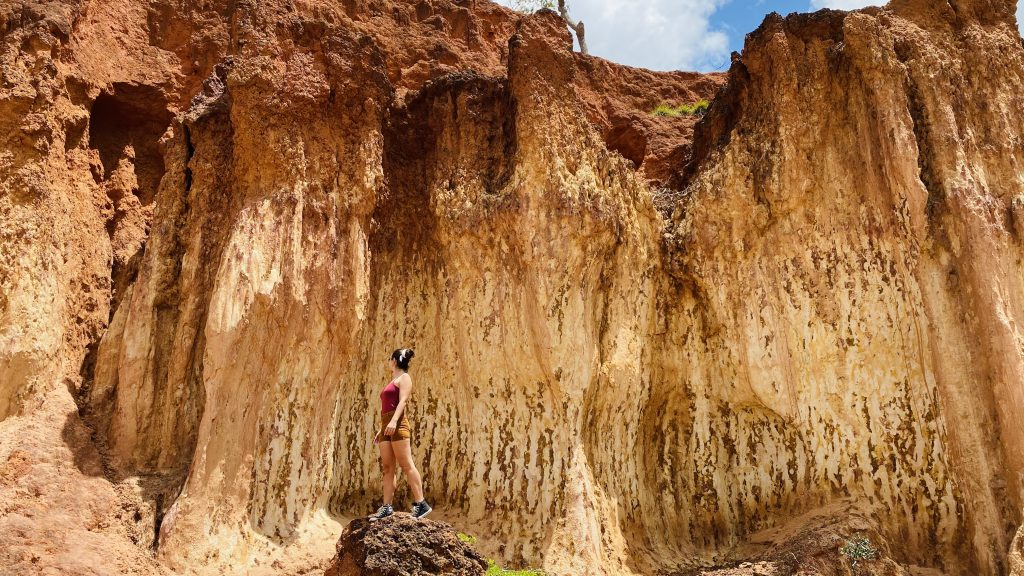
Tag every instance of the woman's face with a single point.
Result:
(391, 362)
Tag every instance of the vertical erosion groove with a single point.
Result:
(125, 125)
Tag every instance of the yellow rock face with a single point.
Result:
(824, 325)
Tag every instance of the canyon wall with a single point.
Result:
(642, 345)
(852, 247)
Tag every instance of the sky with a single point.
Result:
(684, 34)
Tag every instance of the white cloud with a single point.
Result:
(843, 4)
(656, 34)
(1020, 16)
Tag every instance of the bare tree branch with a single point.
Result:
(577, 27)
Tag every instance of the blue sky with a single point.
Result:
(684, 34)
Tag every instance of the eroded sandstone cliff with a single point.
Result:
(642, 346)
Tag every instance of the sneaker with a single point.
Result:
(383, 512)
(420, 509)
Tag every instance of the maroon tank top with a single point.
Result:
(389, 397)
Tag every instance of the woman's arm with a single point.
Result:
(404, 391)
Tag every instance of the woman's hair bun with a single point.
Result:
(402, 357)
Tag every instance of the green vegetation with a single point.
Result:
(495, 570)
(858, 548)
(696, 109)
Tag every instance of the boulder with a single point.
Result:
(402, 546)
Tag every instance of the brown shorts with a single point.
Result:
(402, 432)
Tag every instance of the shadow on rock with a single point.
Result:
(401, 545)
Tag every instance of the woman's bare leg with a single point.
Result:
(403, 453)
(387, 466)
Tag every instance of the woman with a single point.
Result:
(393, 437)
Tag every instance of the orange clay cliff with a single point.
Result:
(726, 343)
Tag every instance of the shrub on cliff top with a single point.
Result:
(528, 6)
(696, 109)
